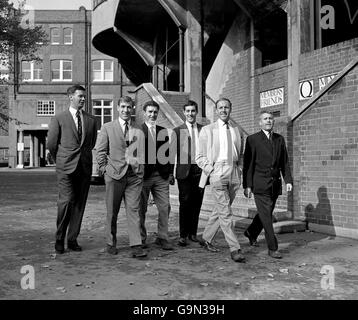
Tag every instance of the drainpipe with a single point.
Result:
(181, 60)
(203, 99)
(87, 66)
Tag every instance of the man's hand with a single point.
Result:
(171, 179)
(288, 187)
(248, 192)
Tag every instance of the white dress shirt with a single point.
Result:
(123, 124)
(223, 142)
(73, 112)
(196, 132)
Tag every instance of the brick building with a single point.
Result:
(40, 89)
(297, 58)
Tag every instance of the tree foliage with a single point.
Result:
(19, 37)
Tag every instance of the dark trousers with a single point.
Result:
(190, 200)
(72, 196)
(265, 205)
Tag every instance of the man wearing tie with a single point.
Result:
(71, 138)
(265, 159)
(188, 174)
(219, 156)
(158, 174)
(120, 149)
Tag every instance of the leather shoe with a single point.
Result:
(112, 249)
(237, 256)
(164, 244)
(73, 245)
(144, 245)
(138, 252)
(208, 246)
(193, 238)
(182, 242)
(59, 246)
(253, 242)
(274, 254)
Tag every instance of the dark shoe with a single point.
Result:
(208, 246)
(193, 238)
(112, 249)
(274, 254)
(144, 245)
(73, 245)
(60, 246)
(253, 242)
(164, 244)
(182, 242)
(237, 256)
(138, 252)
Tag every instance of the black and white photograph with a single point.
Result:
(179, 156)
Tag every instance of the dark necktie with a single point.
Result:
(193, 144)
(229, 142)
(126, 135)
(79, 125)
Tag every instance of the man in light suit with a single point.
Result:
(188, 174)
(158, 174)
(220, 157)
(71, 138)
(120, 150)
(265, 159)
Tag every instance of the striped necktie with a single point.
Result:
(79, 124)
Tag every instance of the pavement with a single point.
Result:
(315, 266)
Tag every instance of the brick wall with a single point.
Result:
(325, 150)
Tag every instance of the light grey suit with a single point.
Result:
(123, 169)
(225, 179)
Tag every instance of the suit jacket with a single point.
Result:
(64, 144)
(183, 151)
(264, 164)
(209, 147)
(113, 154)
(158, 157)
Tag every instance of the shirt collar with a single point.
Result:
(189, 124)
(267, 132)
(149, 125)
(74, 111)
(222, 123)
(122, 122)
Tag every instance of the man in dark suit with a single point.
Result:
(265, 159)
(158, 174)
(188, 174)
(71, 137)
(120, 157)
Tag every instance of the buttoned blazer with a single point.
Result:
(65, 146)
(162, 155)
(264, 164)
(183, 151)
(113, 154)
(209, 148)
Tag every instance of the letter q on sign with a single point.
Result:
(306, 89)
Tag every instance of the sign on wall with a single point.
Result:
(323, 81)
(306, 89)
(272, 97)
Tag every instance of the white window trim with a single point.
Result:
(102, 107)
(46, 102)
(32, 72)
(102, 71)
(61, 70)
(67, 43)
(59, 35)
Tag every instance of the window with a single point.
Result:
(4, 154)
(102, 70)
(103, 111)
(45, 108)
(31, 71)
(55, 36)
(61, 70)
(67, 36)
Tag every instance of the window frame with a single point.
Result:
(61, 70)
(49, 113)
(51, 36)
(64, 30)
(32, 71)
(102, 70)
(102, 107)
